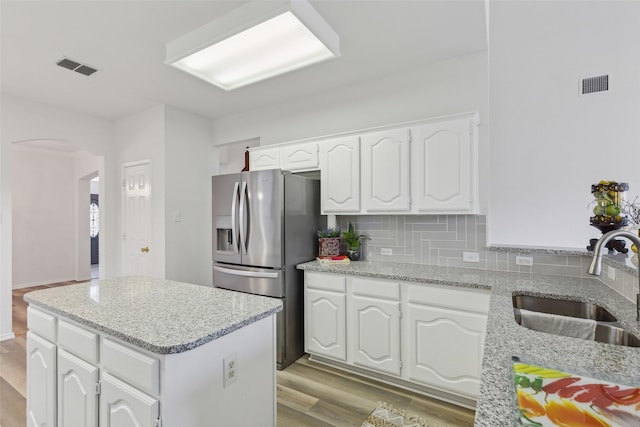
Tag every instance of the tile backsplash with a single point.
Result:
(442, 239)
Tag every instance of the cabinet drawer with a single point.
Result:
(375, 288)
(131, 366)
(41, 323)
(473, 300)
(327, 282)
(78, 341)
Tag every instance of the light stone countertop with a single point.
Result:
(496, 405)
(161, 316)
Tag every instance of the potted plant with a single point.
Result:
(353, 242)
(329, 242)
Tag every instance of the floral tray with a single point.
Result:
(548, 397)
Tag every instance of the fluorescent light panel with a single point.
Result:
(287, 38)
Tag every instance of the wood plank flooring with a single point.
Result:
(309, 394)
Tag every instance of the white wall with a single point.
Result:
(141, 137)
(44, 217)
(191, 160)
(50, 215)
(549, 143)
(23, 120)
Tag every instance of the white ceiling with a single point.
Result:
(125, 40)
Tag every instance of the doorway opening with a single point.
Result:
(94, 226)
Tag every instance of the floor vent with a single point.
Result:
(72, 65)
(595, 84)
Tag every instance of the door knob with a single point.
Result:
(145, 249)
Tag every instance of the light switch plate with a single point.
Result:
(524, 260)
(386, 251)
(470, 257)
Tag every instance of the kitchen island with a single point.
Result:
(150, 352)
(496, 400)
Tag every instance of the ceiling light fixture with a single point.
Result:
(254, 42)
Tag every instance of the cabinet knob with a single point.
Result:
(145, 249)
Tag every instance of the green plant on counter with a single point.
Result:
(329, 232)
(352, 239)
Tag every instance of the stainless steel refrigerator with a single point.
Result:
(264, 224)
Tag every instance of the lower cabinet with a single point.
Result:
(77, 391)
(325, 315)
(419, 335)
(374, 326)
(122, 405)
(41, 381)
(445, 347)
(78, 376)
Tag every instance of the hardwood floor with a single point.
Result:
(309, 394)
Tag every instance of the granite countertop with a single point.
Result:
(505, 338)
(161, 316)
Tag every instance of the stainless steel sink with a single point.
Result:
(612, 334)
(608, 329)
(584, 310)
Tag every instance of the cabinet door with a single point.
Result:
(121, 405)
(297, 157)
(340, 175)
(374, 335)
(264, 158)
(386, 171)
(77, 397)
(444, 166)
(325, 328)
(41, 382)
(445, 348)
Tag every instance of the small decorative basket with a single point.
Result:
(328, 246)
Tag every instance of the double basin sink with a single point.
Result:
(608, 329)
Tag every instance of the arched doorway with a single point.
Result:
(50, 196)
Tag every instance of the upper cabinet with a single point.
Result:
(385, 171)
(444, 166)
(261, 158)
(419, 168)
(340, 175)
(302, 156)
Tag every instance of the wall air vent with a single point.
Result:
(595, 84)
(72, 65)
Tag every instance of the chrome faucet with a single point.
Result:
(596, 263)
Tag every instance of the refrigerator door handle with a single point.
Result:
(234, 230)
(243, 219)
(266, 275)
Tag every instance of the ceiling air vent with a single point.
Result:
(72, 65)
(595, 84)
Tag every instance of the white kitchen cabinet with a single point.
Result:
(340, 175)
(294, 157)
(444, 166)
(374, 332)
(299, 157)
(87, 378)
(261, 158)
(421, 336)
(385, 174)
(444, 336)
(41, 381)
(325, 315)
(122, 405)
(77, 391)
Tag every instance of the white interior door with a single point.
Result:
(137, 219)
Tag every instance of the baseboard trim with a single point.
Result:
(8, 336)
(432, 392)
